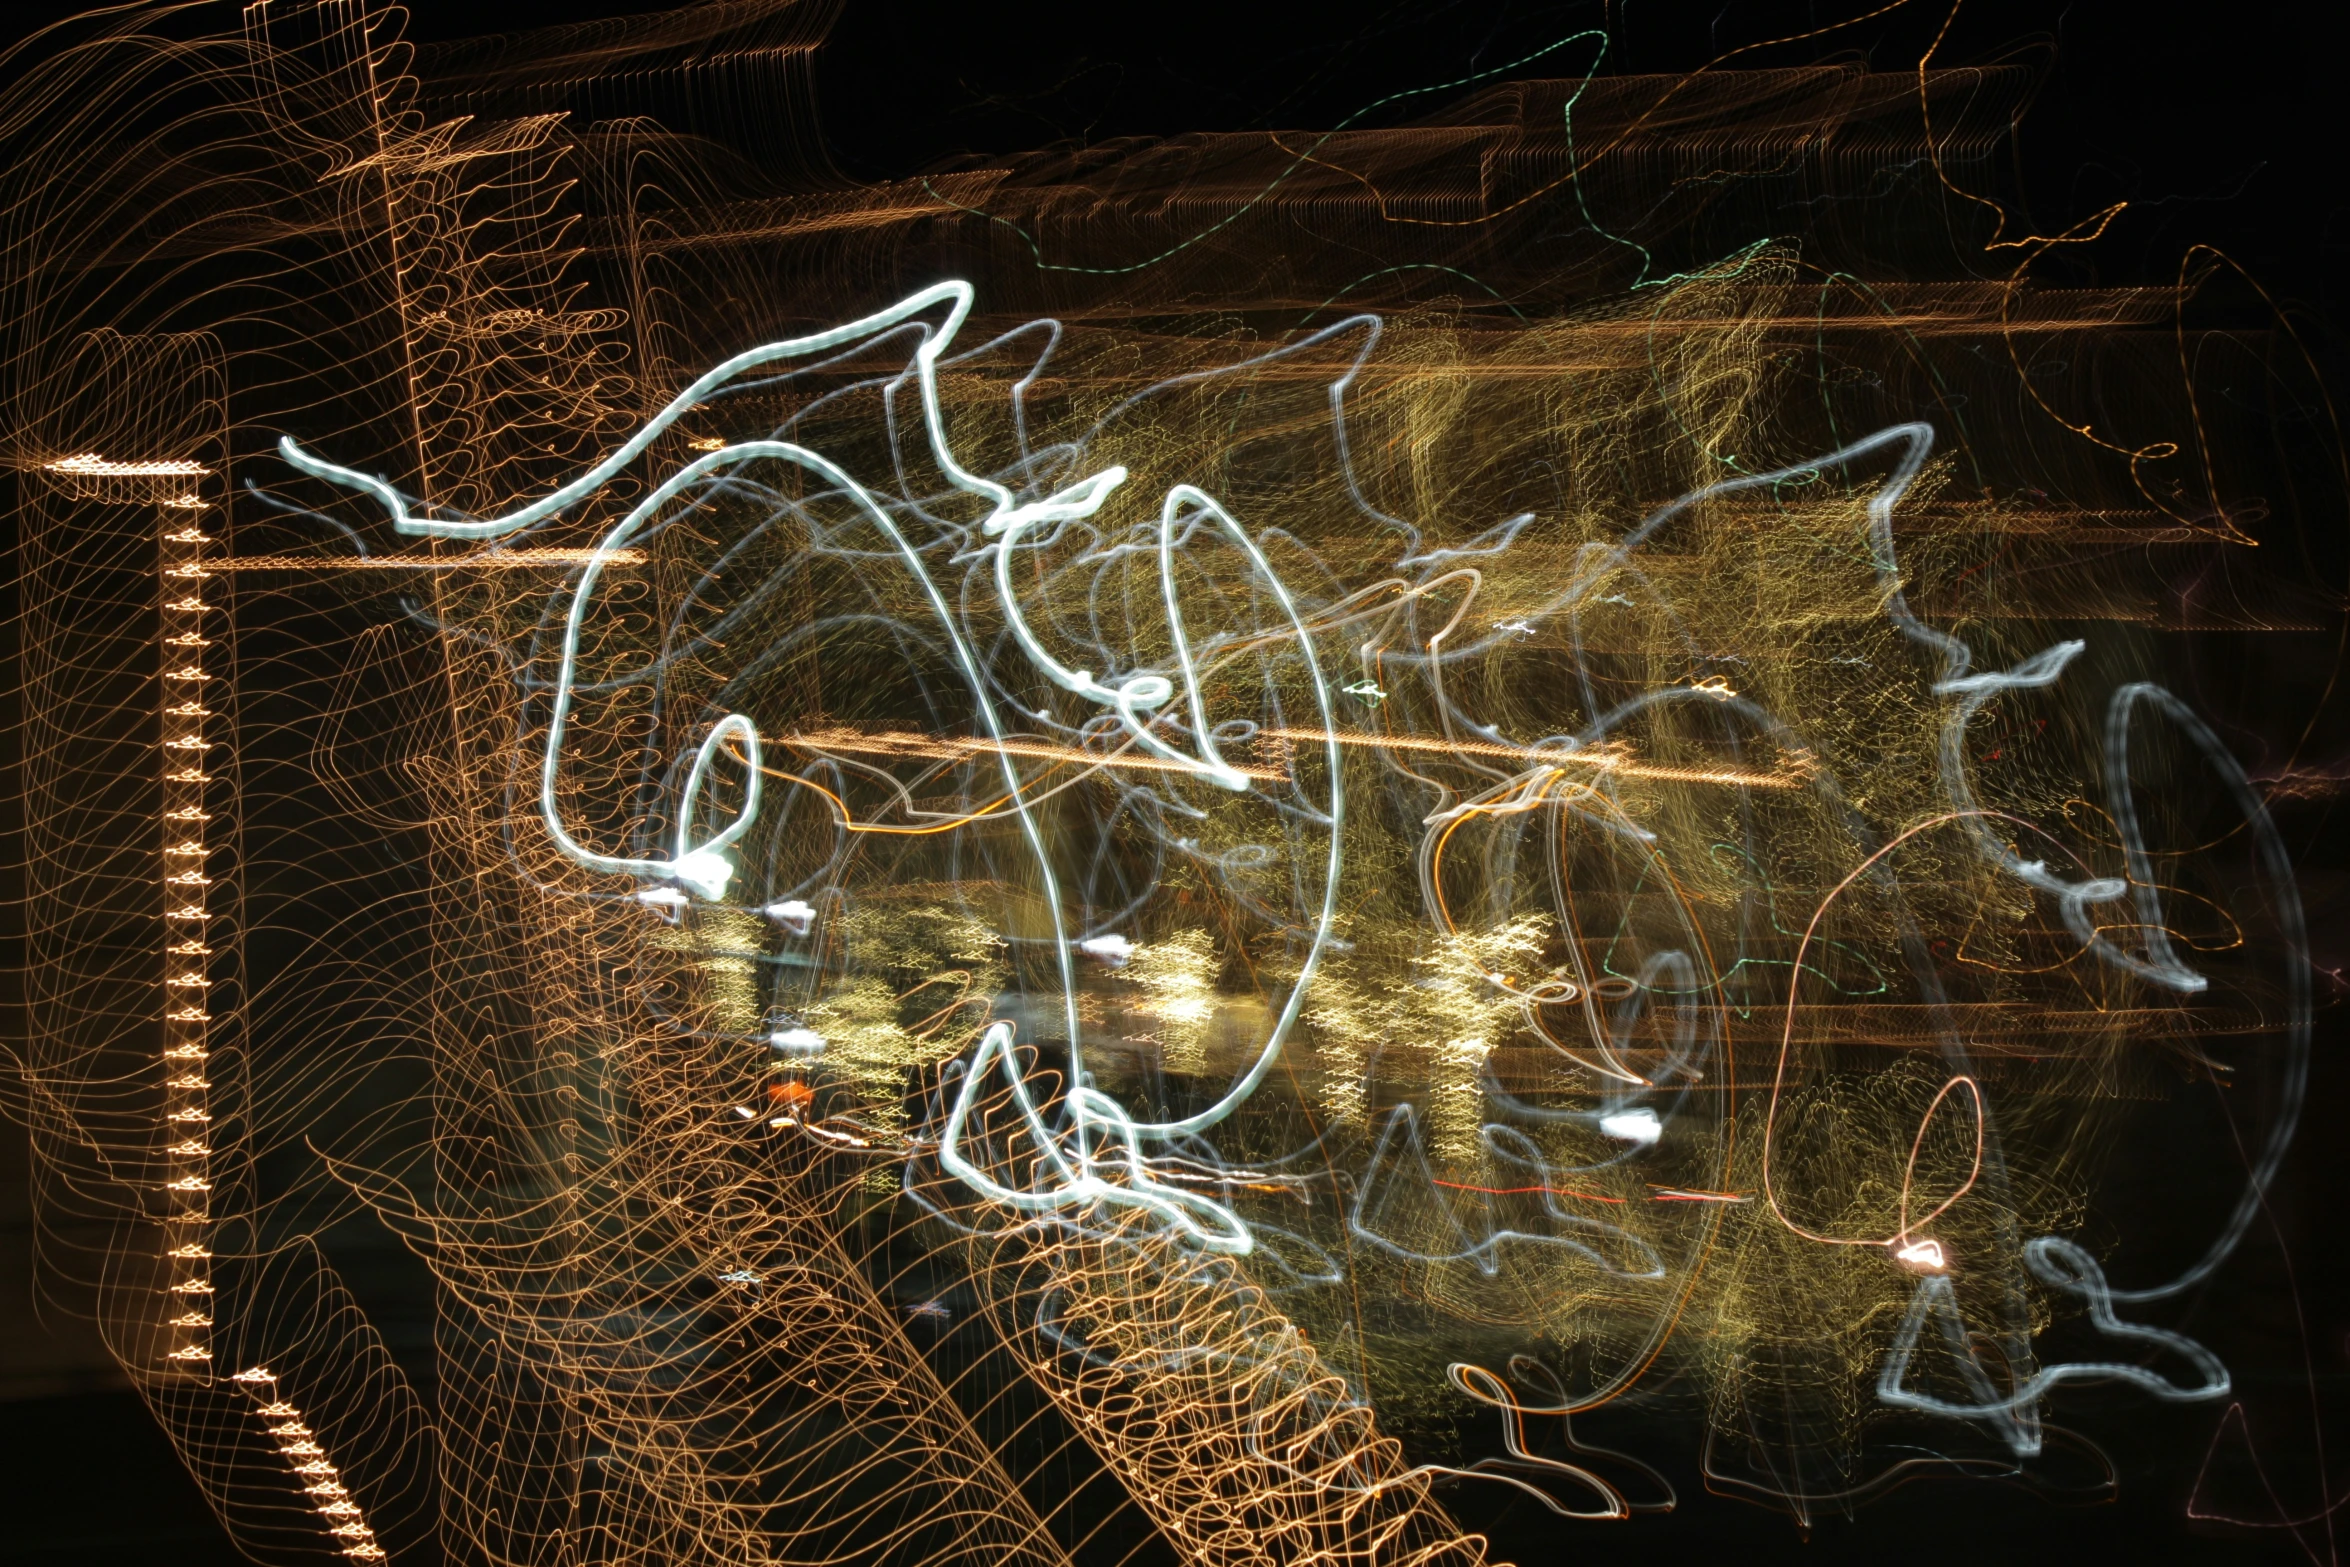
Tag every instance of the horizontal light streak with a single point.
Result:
(956, 748)
(1611, 758)
(89, 465)
(486, 560)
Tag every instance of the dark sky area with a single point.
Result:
(2221, 124)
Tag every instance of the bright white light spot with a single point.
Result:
(705, 872)
(797, 1041)
(1925, 1256)
(1113, 950)
(1633, 1126)
(746, 1112)
(792, 915)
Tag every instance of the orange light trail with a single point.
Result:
(1520, 1191)
(1610, 759)
(481, 560)
(957, 748)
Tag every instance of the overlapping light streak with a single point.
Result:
(1263, 877)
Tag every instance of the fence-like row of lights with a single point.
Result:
(187, 914)
(186, 848)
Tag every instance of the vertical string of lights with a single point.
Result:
(187, 914)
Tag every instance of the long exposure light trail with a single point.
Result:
(1615, 759)
(957, 749)
(1160, 848)
(486, 560)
